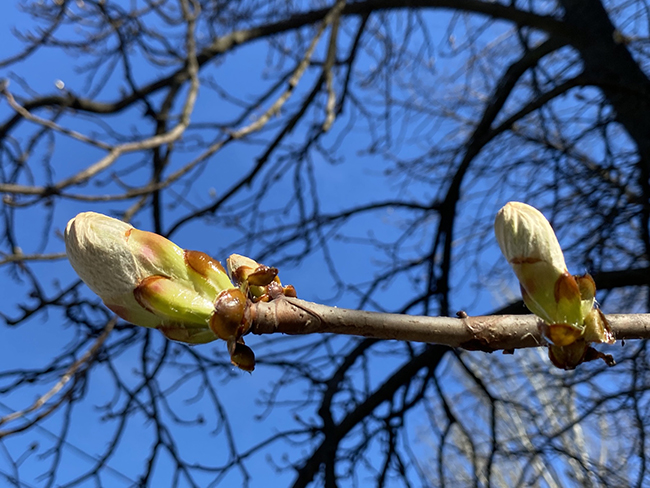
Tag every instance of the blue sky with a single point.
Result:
(359, 177)
(37, 340)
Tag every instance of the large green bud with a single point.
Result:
(565, 302)
(150, 281)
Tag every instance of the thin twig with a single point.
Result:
(72, 372)
(18, 257)
(117, 151)
(328, 72)
(332, 15)
(4, 89)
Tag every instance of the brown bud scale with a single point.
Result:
(228, 313)
(262, 276)
(202, 263)
(243, 357)
(566, 287)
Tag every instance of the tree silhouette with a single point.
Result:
(363, 148)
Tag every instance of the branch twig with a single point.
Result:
(114, 152)
(486, 333)
(19, 257)
(332, 16)
(4, 90)
(70, 374)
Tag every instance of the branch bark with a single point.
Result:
(485, 333)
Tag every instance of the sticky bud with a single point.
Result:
(150, 281)
(529, 244)
(563, 301)
(258, 281)
(144, 278)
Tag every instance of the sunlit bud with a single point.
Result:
(260, 282)
(150, 281)
(529, 244)
(145, 278)
(242, 268)
(564, 302)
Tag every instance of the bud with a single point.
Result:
(565, 302)
(145, 278)
(258, 281)
(529, 244)
(150, 281)
(243, 269)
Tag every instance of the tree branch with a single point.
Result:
(485, 333)
(75, 369)
(234, 39)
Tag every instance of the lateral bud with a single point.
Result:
(564, 302)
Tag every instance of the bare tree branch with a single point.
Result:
(486, 333)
